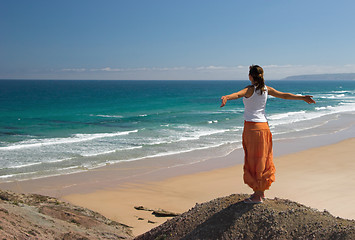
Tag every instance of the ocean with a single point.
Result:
(50, 127)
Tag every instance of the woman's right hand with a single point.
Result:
(308, 99)
(224, 100)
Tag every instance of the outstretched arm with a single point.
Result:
(290, 96)
(244, 92)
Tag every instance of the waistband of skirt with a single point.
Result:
(256, 125)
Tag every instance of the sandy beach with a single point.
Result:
(320, 177)
(314, 170)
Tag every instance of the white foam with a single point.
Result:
(58, 160)
(171, 153)
(34, 175)
(284, 118)
(340, 91)
(72, 167)
(25, 165)
(86, 137)
(108, 116)
(213, 121)
(324, 108)
(19, 174)
(7, 176)
(55, 141)
(111, 151)
(344, 91)
(188, 133)
(37, 163)
(237, 110)
(284, 115)
(331, 96)
(81, 168)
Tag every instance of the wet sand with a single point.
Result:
(320, 177)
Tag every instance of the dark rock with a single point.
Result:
(141, 208)
(164, 213)
(158, 212)
(230, 218)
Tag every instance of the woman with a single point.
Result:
(259, 169)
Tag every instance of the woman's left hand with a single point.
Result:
(224, 100)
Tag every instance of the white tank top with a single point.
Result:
(254, 106)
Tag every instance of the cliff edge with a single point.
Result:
(33, 216)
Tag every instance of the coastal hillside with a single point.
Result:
(33, 216)
(230, 218)
(323, 77)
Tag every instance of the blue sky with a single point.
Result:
(181, 39)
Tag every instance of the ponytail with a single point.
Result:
(257, 73)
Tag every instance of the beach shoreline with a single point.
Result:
(113, 192)
(310, 177)
(160, 168)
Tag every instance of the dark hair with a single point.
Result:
(257, 73)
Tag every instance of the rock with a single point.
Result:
(158, 212)
(142, 208)
(164, 213)
(33, 216)
(230, 218)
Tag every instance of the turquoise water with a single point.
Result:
(58, 127)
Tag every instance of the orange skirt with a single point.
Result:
(259, 169)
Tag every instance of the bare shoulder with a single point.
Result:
(249, 91)
(270, 89)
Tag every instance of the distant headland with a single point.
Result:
(336, 76)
